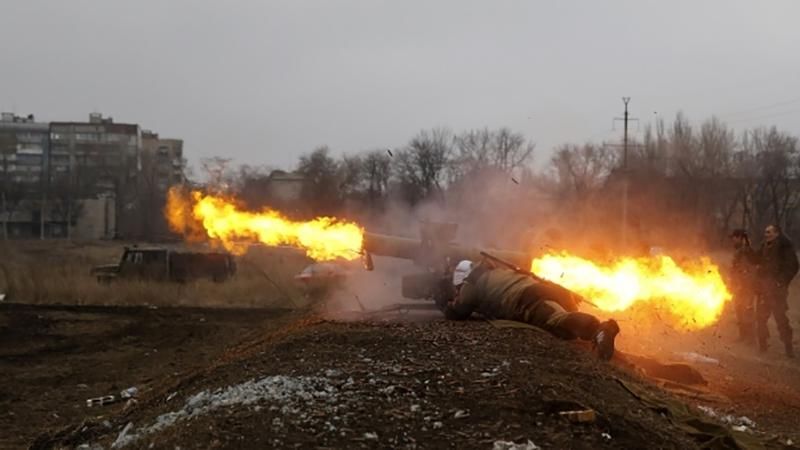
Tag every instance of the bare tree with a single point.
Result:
(773, 194)
(420, 168)
(217, 172)
(580, 169)
(482, 150)
(511, 150)
(321, 184)
(376, 171)
(351, 176)
(252, 184)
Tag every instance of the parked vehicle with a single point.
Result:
(162, 264)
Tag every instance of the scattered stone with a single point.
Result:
(741, 423)
(509, 445)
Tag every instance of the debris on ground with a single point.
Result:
(101, 401)
(507, 445)
(583, 416)
(404, 382)
(740, 423)
(292, 394)
(127, 394)
(696, 357)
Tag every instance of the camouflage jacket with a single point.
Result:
(494, 293)
(778, 261)
(743, 267)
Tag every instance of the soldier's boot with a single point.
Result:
(604, 339)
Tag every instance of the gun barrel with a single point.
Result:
(424, 252)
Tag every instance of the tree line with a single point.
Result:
(687, 183)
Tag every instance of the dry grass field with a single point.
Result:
(57, 272)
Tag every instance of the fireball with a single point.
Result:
(690, 297)
(222, 220)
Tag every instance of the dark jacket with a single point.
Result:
(743, 268)
(778, 261)
(494, 293)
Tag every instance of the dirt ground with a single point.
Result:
(340, 384)
(257, 374)
(53, 358)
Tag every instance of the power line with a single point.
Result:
(768, 116)
(760, 108)
(625, 118)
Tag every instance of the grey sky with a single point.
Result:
(265, 81)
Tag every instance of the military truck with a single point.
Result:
(163, 264)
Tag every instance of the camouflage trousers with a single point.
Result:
(744, 306)
(773, 301)
(536, 309)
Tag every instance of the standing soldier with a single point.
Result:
(777, 266)
(499, 293)
(743, 284)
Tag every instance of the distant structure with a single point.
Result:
(88, 180)
(285, 188)
(24, 158)
(165, 156)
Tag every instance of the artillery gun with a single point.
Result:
(437, 255)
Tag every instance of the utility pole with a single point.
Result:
(625, 118)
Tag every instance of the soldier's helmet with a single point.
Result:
(461, 272)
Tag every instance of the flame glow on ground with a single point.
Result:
(692, 297)
(323, 238)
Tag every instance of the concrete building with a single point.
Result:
(25, 145)
(93, 160)
(91, 180)
(164, 158)
(103, 154)
(24, 155)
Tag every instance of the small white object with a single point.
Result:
(509, 445)
(414, 408)
(696, 357)
(460, 414)
(461, 272)
(437, 425)
(131, 392)
(371, 436)
(606, 436)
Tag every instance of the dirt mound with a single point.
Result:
(423, 385)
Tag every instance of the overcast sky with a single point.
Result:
(264, 81)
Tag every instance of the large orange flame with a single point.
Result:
(217, 218)
(692, 296)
